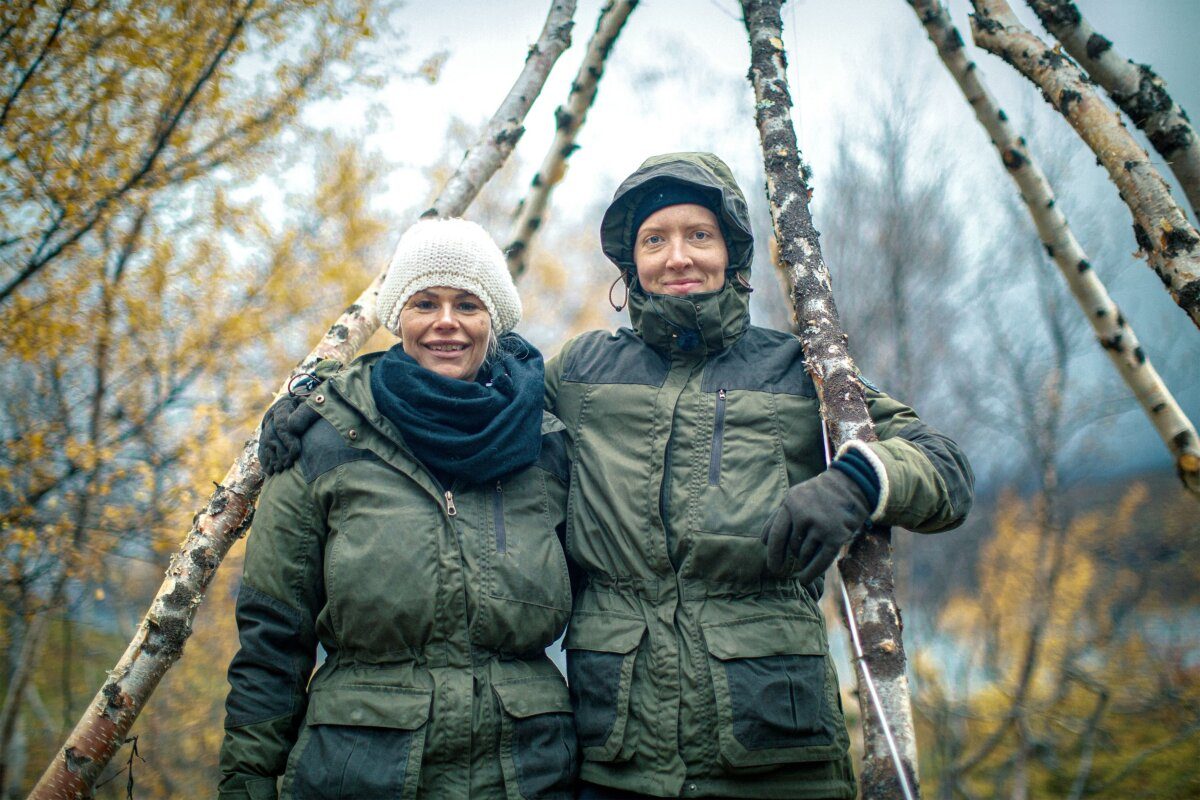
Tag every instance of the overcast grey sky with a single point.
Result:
(833, 46)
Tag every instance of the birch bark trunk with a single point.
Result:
(1135, 88)
(1163, 233)
(568, 118)
(1112, 330)
(867, 566)
(159, 640)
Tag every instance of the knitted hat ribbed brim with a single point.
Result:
(455, 253)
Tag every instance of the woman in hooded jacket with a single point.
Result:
(416, 542)
(704, 516)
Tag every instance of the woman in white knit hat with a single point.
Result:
(416, 540)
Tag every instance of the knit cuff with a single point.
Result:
(853, 449)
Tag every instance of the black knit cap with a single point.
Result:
(670, 192)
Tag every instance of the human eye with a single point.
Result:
(652, 239)
(468, 306)
(423, 304)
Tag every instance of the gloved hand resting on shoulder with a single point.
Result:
(820, 515)
(283, 426)
(287, 420)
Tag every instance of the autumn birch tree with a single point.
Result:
(1135, 88)
(226, 516)
(867, 566)
(1112, 329)
(1163, 233)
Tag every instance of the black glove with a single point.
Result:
(816, 518)
(283, 426)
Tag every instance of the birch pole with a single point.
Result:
(1135, 88)
(1112, 330)
(1163, 233)
(568, 120)
(866, 568)
(159, 640)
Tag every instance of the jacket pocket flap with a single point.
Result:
(370, 706)
(530, 698)
(755, 637)
(604, 633)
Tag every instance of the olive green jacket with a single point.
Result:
(433, 606)
(694, 672)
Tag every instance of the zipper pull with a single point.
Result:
(721, 393)
(498, 489)
(451, 511)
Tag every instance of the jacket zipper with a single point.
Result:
(498, 511)
(451, 511)
(714, 460)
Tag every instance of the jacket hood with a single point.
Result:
(692, 324)
(699, 169)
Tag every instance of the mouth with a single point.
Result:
(446, 349)
(682, 286)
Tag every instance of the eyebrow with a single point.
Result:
(430, 293)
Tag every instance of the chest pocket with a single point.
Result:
(381, 561)
(524, 566)
(741, 476)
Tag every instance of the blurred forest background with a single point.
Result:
(179, 224)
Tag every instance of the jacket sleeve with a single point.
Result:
(926, 483)
(281, 593)
(554, 373)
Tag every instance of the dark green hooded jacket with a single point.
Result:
(433, 606)
(694, 672)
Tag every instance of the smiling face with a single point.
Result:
(680, 250)
(446, 330)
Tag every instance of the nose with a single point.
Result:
(446, 317)
(678, 256)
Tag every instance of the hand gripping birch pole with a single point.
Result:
(1135, 88)
(160, 637)
(1109, 324)
(1163, 233)
(890, 757)
(568, 120)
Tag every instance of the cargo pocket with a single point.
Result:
(261, 789)
(601, 650)
(538, 751)
(359, 742)
(776, 692)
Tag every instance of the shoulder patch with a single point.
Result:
(762, 360)
(323, 448)
(601, 357)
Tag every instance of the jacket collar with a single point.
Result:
(692, 326)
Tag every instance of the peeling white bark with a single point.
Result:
(1163, 233)
(569, 118)
(867, 566)
(1112, 330)
(159, 641)
(1135, 88)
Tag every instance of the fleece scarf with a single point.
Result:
(474, 430)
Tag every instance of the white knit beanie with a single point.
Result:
(449, 252)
